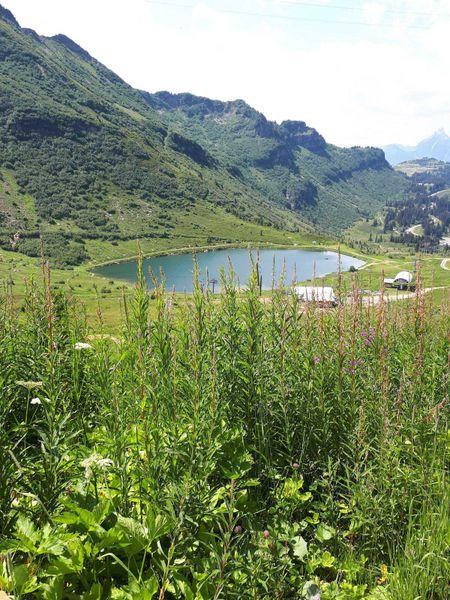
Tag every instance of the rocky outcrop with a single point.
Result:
(194, 151)
(298, 134)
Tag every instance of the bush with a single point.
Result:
(228, 449)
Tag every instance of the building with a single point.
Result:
(401, 281)
(321, 295)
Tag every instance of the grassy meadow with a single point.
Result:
(97, 293)
(222, 446)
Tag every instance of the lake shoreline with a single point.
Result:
(276, 260)
(235, 246)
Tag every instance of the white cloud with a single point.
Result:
(356, 85)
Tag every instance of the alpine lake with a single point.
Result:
(274, 264)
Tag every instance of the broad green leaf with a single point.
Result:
(158, 525)
(327, 560)
(53, 589)
(64, 565)
(127, 534)
(24, 582)
(183, 589)
(325, 532)
(300, 547)
(27, 534)
(95, 593)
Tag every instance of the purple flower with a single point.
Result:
(363, 333)
(316, 360)
(238, 529)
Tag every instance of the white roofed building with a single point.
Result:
(322, 295)
(402, 280)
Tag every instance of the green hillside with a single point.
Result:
(90, 163)
(290, 162)
(428, 171)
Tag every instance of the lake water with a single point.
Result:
(178, 268)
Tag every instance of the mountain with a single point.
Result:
(288, 162)
(429, 171)
(90, 161)
(422, 218)
(436, 146)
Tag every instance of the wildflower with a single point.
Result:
(383, 574)
(295, 466)
(368, 336)
(266, 534)
(82, 346)
(15, 501)
(30, 385)
(95, 461)
(238, 529)
(104, 462)
(35, 401)
(316, 360)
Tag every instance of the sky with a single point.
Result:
(361, 72)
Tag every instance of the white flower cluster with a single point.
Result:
(82, 346)
(30, 385)
(95, 462)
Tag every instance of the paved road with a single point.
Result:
(413, 230)
(400, 296)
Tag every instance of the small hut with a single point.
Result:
(401, 281)
(322, 295)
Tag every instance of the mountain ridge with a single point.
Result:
(435, 146)
(297, 161)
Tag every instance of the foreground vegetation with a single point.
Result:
(225, 448)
